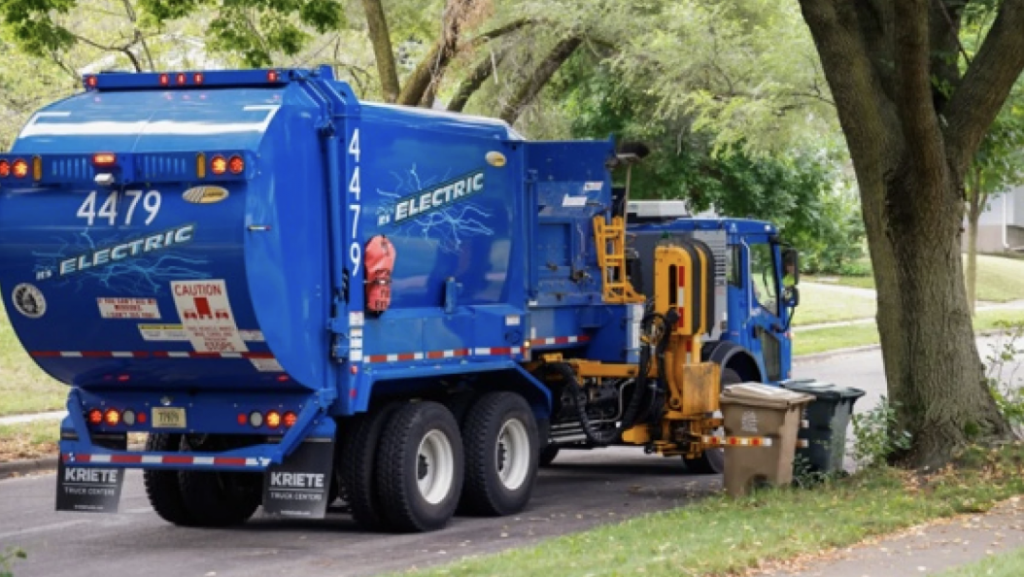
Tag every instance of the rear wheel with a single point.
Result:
(712, 461)
(500, 437)
(358, 459)
(218, 499)
(162, 486)
(419, 467)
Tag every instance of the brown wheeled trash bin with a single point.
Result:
(757, 411)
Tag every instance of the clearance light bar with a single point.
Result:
(186, 79)
(109, 168)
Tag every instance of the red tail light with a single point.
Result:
(289, 419)
(95, 417)
(236, 165)
(5, 169)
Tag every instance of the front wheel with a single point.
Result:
(501, 455)
(419, 467)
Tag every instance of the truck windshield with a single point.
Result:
(763, 277)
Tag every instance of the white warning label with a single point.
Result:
(128, 308)
(205, 313)
(251, 336)
(267, 365)
(163, 333)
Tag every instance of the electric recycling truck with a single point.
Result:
(298, 297)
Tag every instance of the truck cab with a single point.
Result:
(756, 275)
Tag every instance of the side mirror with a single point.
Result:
(790, 297)
(790, 262)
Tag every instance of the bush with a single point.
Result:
(877, 435)
(7, 558)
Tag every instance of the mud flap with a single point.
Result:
(88, 489)
(299, 487)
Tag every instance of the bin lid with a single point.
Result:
(761, 395)
(823, 390)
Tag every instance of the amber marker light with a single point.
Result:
(104, 159)
(218, 165)
(111, 417)
(273, 419)
(20, 168)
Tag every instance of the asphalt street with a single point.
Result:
(582, 489)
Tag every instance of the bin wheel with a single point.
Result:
(712, 461)
(358, 458)
(548, 454)
(217, 499)
(420, 467)
(162, 487)
(500, 436)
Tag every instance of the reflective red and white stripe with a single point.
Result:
(559, 340)
(446, 354)
(181, 460)
(736, 441)
(148, 354)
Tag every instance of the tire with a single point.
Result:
(218, 499)
(500, 437)
(162, 487)
(358, 459)
(548, 454)
(420, 467)
(712, 461)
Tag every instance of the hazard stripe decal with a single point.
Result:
(183, 460)
(447, 354)
(559, 340)
(147, 354)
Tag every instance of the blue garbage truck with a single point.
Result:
(296, 297)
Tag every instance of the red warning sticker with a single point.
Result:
(205, 313)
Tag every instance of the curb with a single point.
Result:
(12, 468)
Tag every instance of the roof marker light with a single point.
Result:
(104, 159)
(90, 81)
(164, 80)
(273, 76)
(181, 78)
(197, 78)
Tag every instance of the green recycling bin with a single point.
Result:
(827, 419)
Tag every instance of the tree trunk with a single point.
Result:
(377, 25)
(431, 69)
(876, 58)
(528, 90)
(975, 203)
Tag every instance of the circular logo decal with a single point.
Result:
(29, 301)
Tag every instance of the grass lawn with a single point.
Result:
(29, 440)
(824, 305)
(999, 279)
(720, 535)
(827, 339)
(23, 387)
(1005, 565)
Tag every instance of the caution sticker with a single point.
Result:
(128, 308)
(205, 312)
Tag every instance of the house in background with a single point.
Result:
(1001, 226)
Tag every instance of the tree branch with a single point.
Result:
(500, 31)
(432, 67)
(986, 85)
(914, 88)
(377, 26)
(476, 78)
(529, 90)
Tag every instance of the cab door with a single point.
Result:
(766, 326)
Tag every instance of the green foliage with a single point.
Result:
(7, 558)
(877, 435)
(801, 192)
